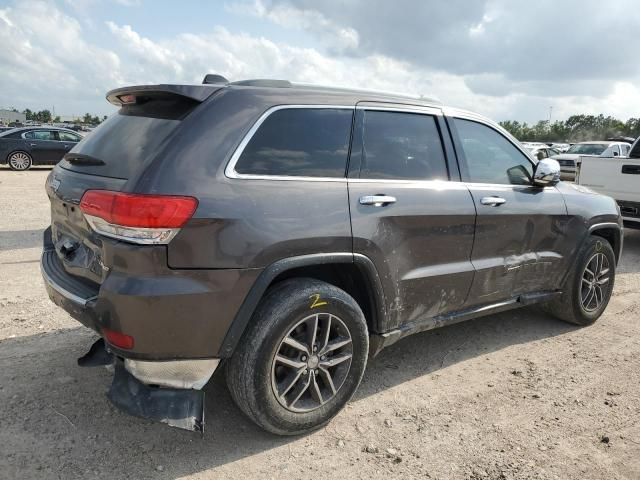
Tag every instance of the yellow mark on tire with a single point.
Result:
(316, 301)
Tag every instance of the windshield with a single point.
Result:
(588, 148)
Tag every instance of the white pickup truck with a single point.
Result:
(617, 177)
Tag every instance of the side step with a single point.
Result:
(380, 341)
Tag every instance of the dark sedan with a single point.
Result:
(23, 147)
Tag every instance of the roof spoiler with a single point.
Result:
(198, 93)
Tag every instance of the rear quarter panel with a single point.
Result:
(8, 145)
(243, 223)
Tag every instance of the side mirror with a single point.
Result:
(615, 154)
(547, 173)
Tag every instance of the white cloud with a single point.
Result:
(46, 60)
(337, 38)
(50, 58)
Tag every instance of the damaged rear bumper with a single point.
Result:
(168, 392)
(177, 407)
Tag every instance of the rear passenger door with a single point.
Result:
(520, 243)
(409, 215)
(43, 146)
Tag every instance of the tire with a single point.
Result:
(573, 305)
(19, 161)
(258, 381)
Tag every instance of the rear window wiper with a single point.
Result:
(82, 159)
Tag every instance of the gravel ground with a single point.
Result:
(515, 395)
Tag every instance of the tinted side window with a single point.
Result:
(43, 135)
(490, 157)
(68, 137)
(399, 145)
(299, 142)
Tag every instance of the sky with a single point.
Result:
(507, 59)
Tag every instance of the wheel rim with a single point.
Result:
(595, 282)
(312, 362)
(20, 161)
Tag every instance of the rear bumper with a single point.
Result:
(71, 295)
(171, 314)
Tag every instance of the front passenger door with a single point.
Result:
(520, 243)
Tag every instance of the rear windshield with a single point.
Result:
(127, 142)
(588, 148)
(121, 146)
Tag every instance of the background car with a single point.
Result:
(543, 152)
(21, 148)
(569, 161)
(561, 147)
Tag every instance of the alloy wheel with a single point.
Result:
(312, 362)
(20, 161)
(595, 282)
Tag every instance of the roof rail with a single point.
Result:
(261, 82)
(214, 78)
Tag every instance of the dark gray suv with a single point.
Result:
(292, 231)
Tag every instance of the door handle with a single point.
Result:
(33, 144)
(377, 200)
(492, 201)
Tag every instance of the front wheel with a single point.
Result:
(302, 357)
(20, 161)
(588, 288)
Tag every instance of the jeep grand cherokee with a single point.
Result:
(294, 231)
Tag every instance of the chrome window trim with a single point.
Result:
(434, 111)
(493, 186)
(230, 169)
(431, 111)
(474, 117)
(418, 183)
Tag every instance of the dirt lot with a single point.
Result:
(515, 395)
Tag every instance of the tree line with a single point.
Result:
(577, 128)
(45, 116)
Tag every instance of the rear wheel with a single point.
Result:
(588, 288)
(302, 357)
(20, 161)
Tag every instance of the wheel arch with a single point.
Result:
(612, 232)
(355, 274)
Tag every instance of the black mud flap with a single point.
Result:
(96, 356)
(181, 408)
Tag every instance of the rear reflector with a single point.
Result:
(118, 339)
(137, 218)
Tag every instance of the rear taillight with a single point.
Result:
(145, 219)
(118, 339)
